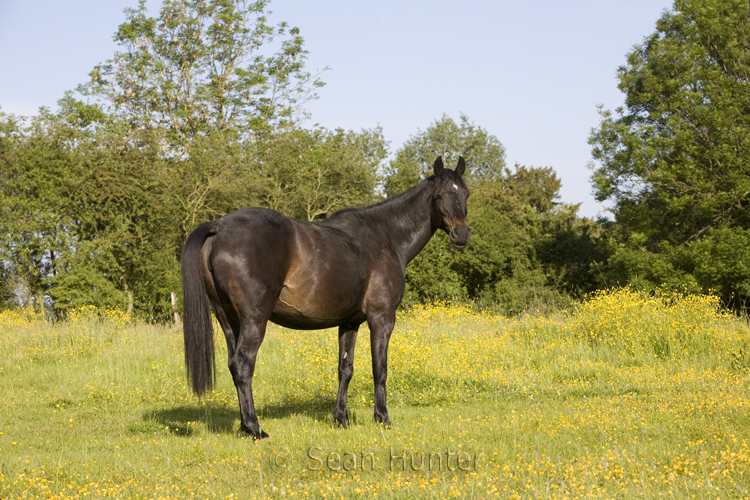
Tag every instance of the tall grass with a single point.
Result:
(629, 395)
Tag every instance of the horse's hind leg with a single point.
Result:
(224, 312)
(230, 325)
(242, 367)
(347, 341)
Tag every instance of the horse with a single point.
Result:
(256, 265)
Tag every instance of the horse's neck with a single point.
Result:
(407, 220)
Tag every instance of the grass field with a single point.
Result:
(628, 396)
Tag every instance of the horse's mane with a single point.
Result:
(388, 202)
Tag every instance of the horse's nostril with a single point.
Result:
(460, 231)
(460, 235)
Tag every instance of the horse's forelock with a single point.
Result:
(445, 181)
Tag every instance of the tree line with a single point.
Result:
(201, 113)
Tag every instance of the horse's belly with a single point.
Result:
(304, 312)
(296, 321)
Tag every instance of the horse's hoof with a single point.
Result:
(342, 420)
(263, 435)
(383, 419)
(257, 436)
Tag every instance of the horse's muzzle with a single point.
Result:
(460, 236)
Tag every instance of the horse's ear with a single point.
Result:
(461, 168)
(438, 166)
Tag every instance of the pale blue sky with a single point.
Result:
(530, 73)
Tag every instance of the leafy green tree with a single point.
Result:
(499, 266)
(34, 175)
(446, 138)
(309, 174)
(218, 175)
(8, 286)
(198, 67)
(721, 263)
(539, 187)
(572, 251)
(674, 160)
(517, 262)
(84, 217)
(125, 231)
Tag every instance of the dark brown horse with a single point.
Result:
(257, 265)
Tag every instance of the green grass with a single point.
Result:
(630, 396)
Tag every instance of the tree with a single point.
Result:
(125, 233)
(34, 173)
(199, 67)
(309, 174)
(674, 160)
(86, 217)
(216, 176)
(569, 248)
(450, 140)
(539, 187)
(572, 251)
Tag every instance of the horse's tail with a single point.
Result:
(196, 322)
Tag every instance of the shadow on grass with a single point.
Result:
(318, 408)
(181, 420)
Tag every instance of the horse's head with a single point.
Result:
(449, 202)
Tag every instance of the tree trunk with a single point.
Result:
(130, 298)
(174, 309)
(40, 301)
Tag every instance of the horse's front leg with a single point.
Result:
(381, 326)
(347, 341)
